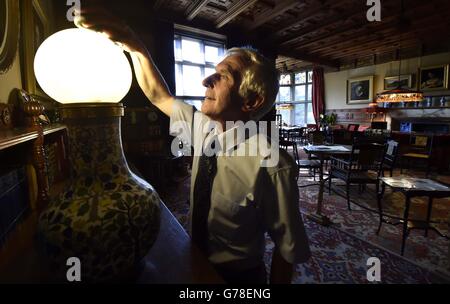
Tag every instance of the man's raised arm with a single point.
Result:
(151, 82)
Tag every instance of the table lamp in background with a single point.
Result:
(107, 217)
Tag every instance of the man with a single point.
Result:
(234, 198)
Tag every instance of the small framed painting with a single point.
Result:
(394, 82)
(360, 90)
(433, 78)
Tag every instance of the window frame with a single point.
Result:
(179, 63)
(293, 102)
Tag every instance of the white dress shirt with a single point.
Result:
(247, 199)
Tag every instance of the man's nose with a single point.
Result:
(209, 81)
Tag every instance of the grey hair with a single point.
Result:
(258, 77)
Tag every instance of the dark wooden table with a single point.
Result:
(173, 259)
(412, 187)
(323, 151)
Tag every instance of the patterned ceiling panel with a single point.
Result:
(210, 13)
(224, 3)
(177, 5)
(256, 9)
(324, 30)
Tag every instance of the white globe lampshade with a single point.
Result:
(79, 65)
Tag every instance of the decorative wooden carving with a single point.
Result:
(33, 109)
(5, 116)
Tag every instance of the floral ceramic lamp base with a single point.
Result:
(107, 217)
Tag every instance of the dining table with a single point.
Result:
(322, 152)
(291, 130)
(412, 187)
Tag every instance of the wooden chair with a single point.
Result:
(390, 158)
(279, 120)
(353, 127)
(316, 138)
(377, 136)
(284, 135)
(420, 148)
(342, 137)
(298, 135)
(363, 166)
(311, 165)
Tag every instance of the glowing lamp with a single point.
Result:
(89, 74)
(79, 65)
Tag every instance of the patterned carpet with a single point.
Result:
(340, 252)
(430, 252)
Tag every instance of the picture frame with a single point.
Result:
(433, 78)
(392, 82)
(360, 90)
(9, 33)
(35, 28)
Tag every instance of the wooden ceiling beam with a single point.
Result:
(317, 38)
(305, 16)
(235, 10)
(407, 41)
(369, 35)
(387, 49)
(374, 48)
(306, 57)
(343, 45)
(358, 10)
(157, 5)
(367, 43)
(279, 8)
(220, 8)
(364, 25)
(362, 38)
(267, 4)
(345, 41)
(195, 8)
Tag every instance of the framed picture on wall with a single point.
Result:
(394, 82)
(433, 78)
(360, 90)
(35, 27)
(9, 33)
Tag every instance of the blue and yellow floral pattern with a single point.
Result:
(107, 217)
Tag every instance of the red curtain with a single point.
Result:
(318, 93)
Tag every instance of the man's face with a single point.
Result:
(222, 101)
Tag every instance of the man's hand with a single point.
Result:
(99, 19)
(150, 80)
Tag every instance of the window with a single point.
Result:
(294, 100)
(195, 59)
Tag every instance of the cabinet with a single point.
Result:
(28, 174)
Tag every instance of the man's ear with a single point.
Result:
(254, 102)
